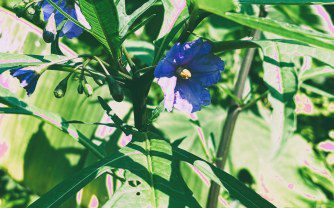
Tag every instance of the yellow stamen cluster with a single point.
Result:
(183, 73)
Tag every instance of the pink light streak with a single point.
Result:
(327, 146)
(3, 149)
(322, 12)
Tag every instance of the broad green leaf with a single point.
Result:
(152, 178)
(285, 1)
(280, 76)
(278, 179)
(282, 29)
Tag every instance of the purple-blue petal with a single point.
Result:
(48, 9)
(31, 87)
(69, 29)
(190, 96)
(206, 69)
(164, 69)
(28, 78)
(182, 54)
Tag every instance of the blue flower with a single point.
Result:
(69, 29)
(28, 78)
(185, 73)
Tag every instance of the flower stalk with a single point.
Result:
(229, 124)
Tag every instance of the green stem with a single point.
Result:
(129, 59)
(229, 124)
(252, 102)
(196, 17)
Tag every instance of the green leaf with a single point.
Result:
(7, 98)
(316, 72)
(280, 75)
(285, 1)
(283, 29)
(315, 17)
(317, 91)
(156, 170)
(236, 189)
(72, 185)
(152, 178)
(215, 6)
(8, 61)
(141, 50)
(103, 19)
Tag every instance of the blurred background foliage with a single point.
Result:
(33, 159)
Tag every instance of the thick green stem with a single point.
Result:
(140, 88)
(229, 124)
(196, 17)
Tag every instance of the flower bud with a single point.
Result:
(88, 89)
(61, 88)
(20, 9)
(31, 11)
(115, 89)
(58, 93)
(50, 30)
(98, 80)
(80, 88)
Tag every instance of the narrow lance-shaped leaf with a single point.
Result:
(285, 2)
(103, 19)
(236, 189)
(9, 61)
(283, 29)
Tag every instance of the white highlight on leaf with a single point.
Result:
(81, 18)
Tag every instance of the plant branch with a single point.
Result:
(229, 124)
